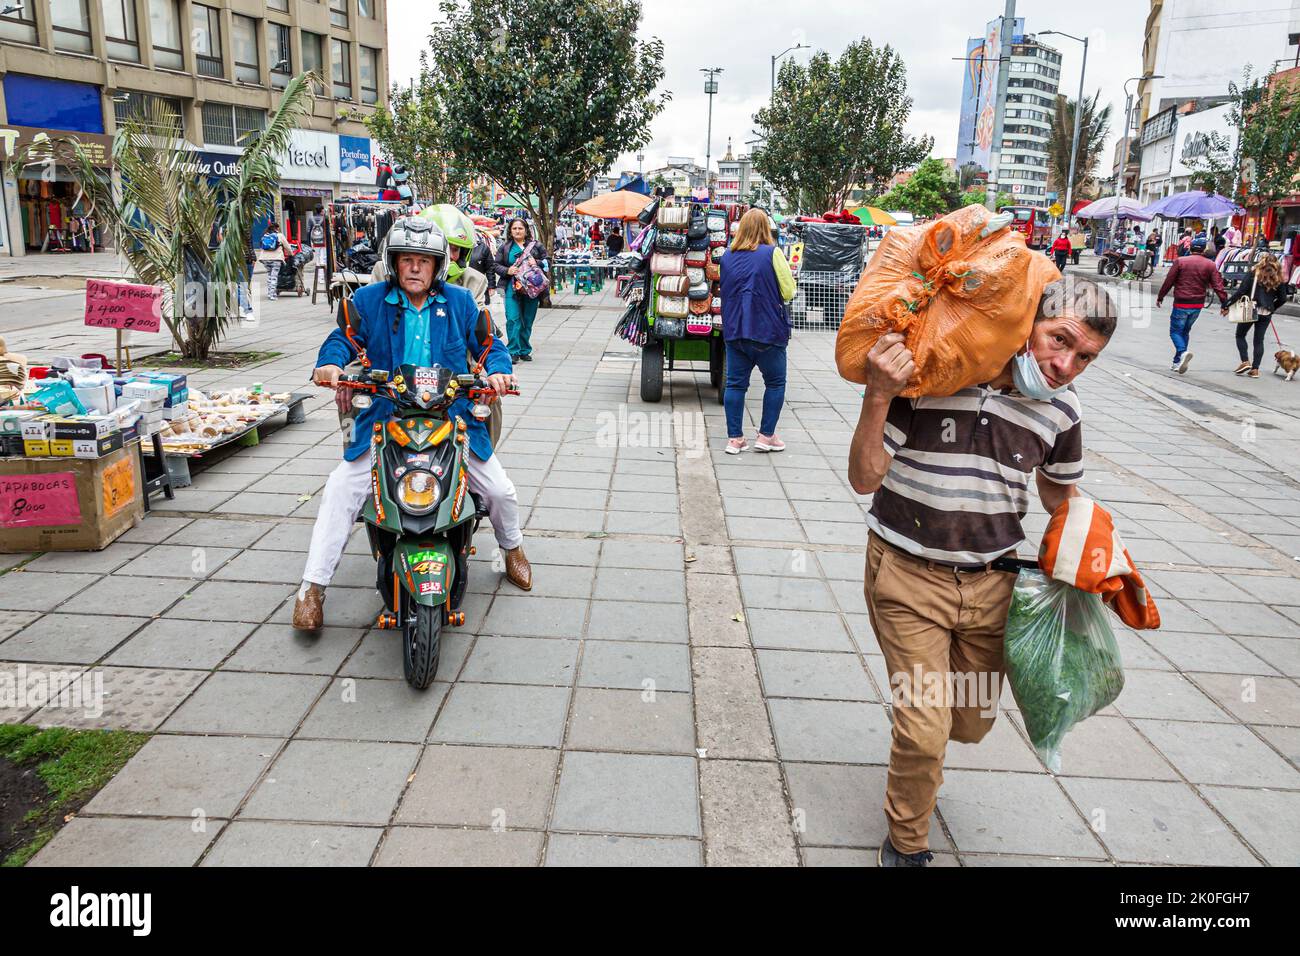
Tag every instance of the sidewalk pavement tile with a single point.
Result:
(1163, 695)
(986, 813)
(637, 621)
(1104, 746)
(281, 648)
(764, 529)
(177, 561)
(370, 709)
(842, 805)
(1226, 754)
(11, 622)
(292, 537)
(797, 630)
(777, 561)
(500, 787)
(234, 703)
(745, 814)
(833, 731)
(816, 675)
(1143, 821)
(222, 533)
(69, 638)
(143, 596)
(1233, 617)
(380, 655)
(344, 607)
(648, 522)
(1199, 585)
(1252, 700)
(996, 859)
(87, 562)
(536, 616)
(798, 592)
(98, 842)
(630, 664)
(334, 781)
(156, 528)
(1271, 589)
(503, 714)
(628, 793)
(757, 508)
(43, 591)
(640, 584)
(1266, 818)
(1003, 748)
(562, 551)
(268, 567)
(522, 660)
(194, 500)
(251, 843)
(549, 580)
(1209, 652)
(281, 484)
(566, 519)
(229, 601)
(175, 776)
(625, 720)
(133, 699)
(1280, 652)
(593, 850)
(1177, 616)
(422, 846)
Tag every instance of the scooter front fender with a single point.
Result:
(426, 569)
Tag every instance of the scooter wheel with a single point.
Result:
(421, 643)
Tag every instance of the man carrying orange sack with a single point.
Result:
(950, 478)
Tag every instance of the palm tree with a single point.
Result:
(167, 213)
(1093, 129)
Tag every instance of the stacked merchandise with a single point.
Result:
(686, 265)
(204, 421)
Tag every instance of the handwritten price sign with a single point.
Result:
(39, 500)
(122, 305)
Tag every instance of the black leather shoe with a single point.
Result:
(888, 856)
(525, 358)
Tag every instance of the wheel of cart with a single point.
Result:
(659, 356)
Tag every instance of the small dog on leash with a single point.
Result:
(1288, 361)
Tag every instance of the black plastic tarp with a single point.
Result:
(832, 247)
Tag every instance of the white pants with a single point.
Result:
(345, 494)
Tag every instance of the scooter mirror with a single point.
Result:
(483, 334)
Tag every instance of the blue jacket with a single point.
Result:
(381, 333)
(752, 307)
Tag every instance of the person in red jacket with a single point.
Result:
(1190, 278)
(1060, 250)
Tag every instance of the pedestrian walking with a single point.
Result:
(614, 242)
(1268, 290)
(521, 310)
(272, 251)
(1190, 278)
(1153, 246)
(951, 488)
(316, 233)
(1060, 250)
(1077, 242)
(756, 283)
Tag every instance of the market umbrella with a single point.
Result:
(510, 202)
(621, 204)
(1195, 204)
(1112, 206)
(871, 216)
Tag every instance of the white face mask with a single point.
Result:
(1029, 379)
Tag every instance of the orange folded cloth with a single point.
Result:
(1082, 548)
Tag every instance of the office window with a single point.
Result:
(341, 69)
(206, 38)
(129, 101)
(279, 54)
(366, 8)
(243, 43)
(228, 125)
(71, 22)
(313, 57)
(165, 22)
(281, 5)
(369, 69)
(339, 12)
(120, 36)
(19, 25)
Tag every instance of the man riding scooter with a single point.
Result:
(414, 318)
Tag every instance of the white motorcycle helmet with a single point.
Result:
(422, 236)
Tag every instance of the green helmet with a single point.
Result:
(459, 230)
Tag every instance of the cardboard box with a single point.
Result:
(98, 399)
(69, 504)
(36, 447)
(178, 392)
(61, 447)
(150, 395)
(11, 419)
(97, 447)
(37, 429)
(11, 445)
(84, 429)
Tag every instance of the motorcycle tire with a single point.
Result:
(421, 642)
(1114, 269)
(1101, 267)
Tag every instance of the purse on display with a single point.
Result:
(699, 290)
(699, 307)
(697, 258)
(674, 218)
(672, 306)
(715, 306)
(647, 215)
(695, 275)
(716, 253)
(665, 328)
(718, 238)
(699, 227)
(697, 244)
(670, 242)
(668, 263)
(713, 271)
(672, 285)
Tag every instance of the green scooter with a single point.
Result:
(421, 515)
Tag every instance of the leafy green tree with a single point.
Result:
(832, 124)
(177, 229)
(1094, 127)
(410, 131)
(930, 191)
(542, 95)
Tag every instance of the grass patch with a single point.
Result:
(214, 360)
(46, 775)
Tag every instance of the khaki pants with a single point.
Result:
(941, 633)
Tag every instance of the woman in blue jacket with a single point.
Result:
(756, 284)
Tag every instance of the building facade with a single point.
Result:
(734, 177)
(1035, 75)
(79, 67)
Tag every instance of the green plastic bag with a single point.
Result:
(1062, 659)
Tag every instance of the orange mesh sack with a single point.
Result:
(963, 290)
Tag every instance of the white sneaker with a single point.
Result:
(1181, 367)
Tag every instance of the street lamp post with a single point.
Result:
(710, 88)
(640, 164)
(1078, 116)
(797, 46)
(1121, 180)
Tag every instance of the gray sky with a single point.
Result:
(741, 35)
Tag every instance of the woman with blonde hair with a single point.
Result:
(756, 284)
(1268, 289)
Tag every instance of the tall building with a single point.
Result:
(734, 177)
(78, 67)
(1031, 100)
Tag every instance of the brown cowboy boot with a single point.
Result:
(309, 609)
(518, 570)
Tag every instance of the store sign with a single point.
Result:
(355, 164)
(123, 305)
(1195, 140)
(216, 165)
(97, 146)
(36, 501)
(312, 156)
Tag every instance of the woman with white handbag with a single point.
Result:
(1254, 303)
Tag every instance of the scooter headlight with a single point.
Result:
(418, 492)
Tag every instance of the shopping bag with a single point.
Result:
(1061, 659)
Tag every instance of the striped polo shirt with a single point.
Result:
(959, 483)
